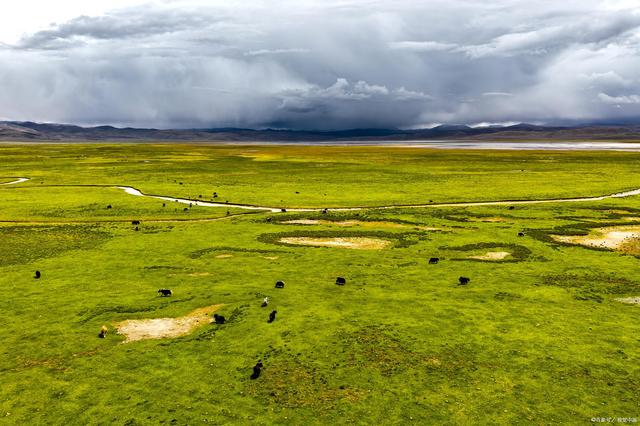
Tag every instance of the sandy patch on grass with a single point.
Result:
(164, 328)
(492, 255)
(224, 256)
(630, 300)
(358, 243)
(620, 238)
(363, 223)
(199, 274)
(270, 257)
(487, 219)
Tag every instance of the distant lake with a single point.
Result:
(510, 145)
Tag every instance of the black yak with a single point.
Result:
(434, 260)
(464, 280)
(257, 369)
(341, 281)
(165, 292)
(219, 319)
(37, 275)
(279, 284)
(272, 316)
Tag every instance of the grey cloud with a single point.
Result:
(422, 46)
(329, 64)
(624, 99)
(134, 23)
(275, 51)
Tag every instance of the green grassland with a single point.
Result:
(537, 337)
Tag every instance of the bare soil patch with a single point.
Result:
(620, 238)
(492, 255)
(224, 256)
(164, 328)
(630, 300)
(358, 243)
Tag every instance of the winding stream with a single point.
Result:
(20, 180)
(136, 192)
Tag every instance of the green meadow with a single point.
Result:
(538, 336)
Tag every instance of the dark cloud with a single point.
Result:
(330, 64)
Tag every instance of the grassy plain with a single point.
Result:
(534, 338)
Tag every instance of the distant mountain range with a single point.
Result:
(29, 131)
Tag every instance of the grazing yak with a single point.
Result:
(37, 275)
(136, 228)
(219, 319)
(464, 280)
(283, 210)
(520, 234)
(279, 284)
(511, 208)
(257, 369)
(341, 281)
(265, 302)
(272, 316)
(103, 332)
(109, 206)
(434, 260)
(165, 292)
(135, 222)
(325, 211)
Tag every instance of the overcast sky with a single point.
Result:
(319, 64)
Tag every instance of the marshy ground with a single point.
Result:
(545, 332)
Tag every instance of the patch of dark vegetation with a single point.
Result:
(25, 244)
(592, 286)
(518, 253)
(154, 229)
(340, 217)
(157, 267)
(504, 295)
(400, 239)
(390, 353)
(203, 252)
(612, 211)
(293, 384)
(91, 313)
(375, 347)
(234, 317)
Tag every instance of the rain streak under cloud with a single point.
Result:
(331, 64)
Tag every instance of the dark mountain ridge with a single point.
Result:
(31, 131)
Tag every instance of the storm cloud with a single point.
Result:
(332, 64)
